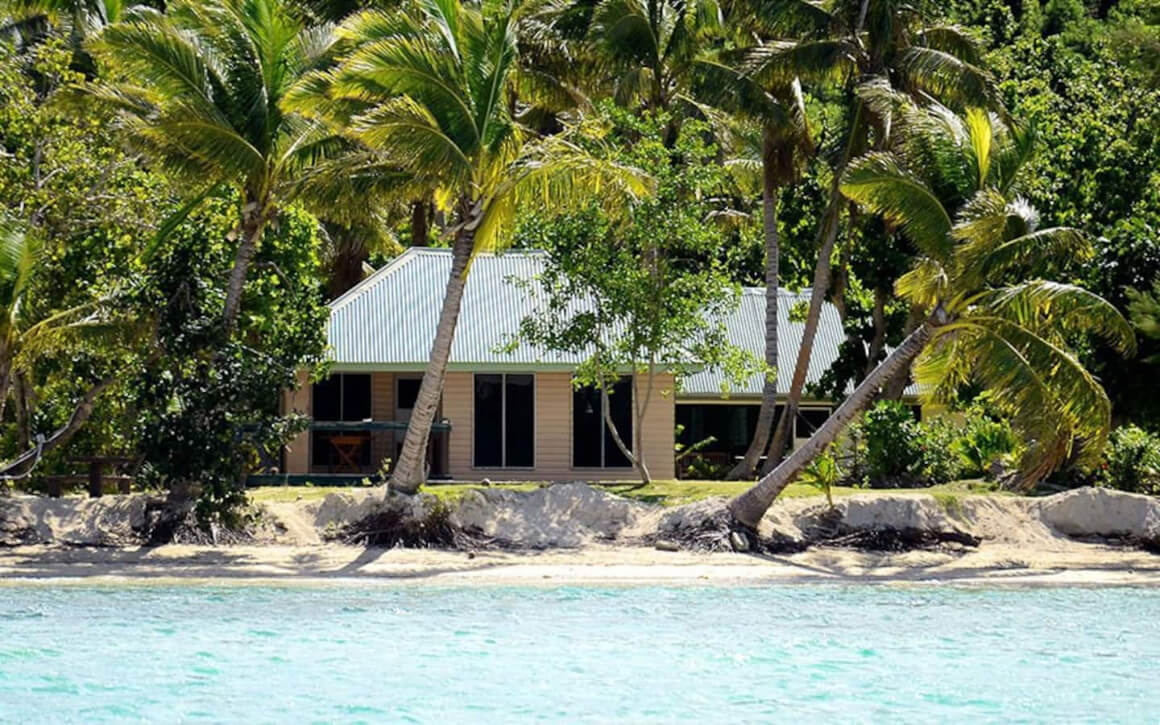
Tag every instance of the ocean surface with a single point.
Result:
(187, 653)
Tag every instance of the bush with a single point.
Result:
(1132, 461)
(939, 460)
(983, 442)
(888, 434)
(893, 449)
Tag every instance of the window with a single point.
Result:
(592, 442)
(408, 392)
(504, 424)
(341, 397)
(809, 420)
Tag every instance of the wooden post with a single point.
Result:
(95, 479)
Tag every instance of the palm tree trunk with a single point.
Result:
(23, 411)
(896, 386)
(878, 342)
(5, 380)
(749, 507)
(419, 223)
(809, 333)
(410, 470)
(828, 235)
(745, 467)
(253, 223)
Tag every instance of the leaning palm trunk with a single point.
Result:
(749, 507)
(745, 467)
(410, 473)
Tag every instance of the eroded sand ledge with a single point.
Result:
(576, 534)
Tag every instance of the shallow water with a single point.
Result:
(348, 654)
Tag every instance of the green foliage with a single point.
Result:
(1132, 461)
(894, 449)
(888, 433)
(647, 293)
(823, 473)
(209, 409)
(984, 442)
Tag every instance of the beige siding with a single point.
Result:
(382, 408)
(457, 409)
(553, 455)
(297, 452)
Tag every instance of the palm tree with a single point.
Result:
(199, 90)
(780, 120)
(852, 41)
(987, 321)
(429, 90)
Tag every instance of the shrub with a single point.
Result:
(1132, 461)
(938, 460)
(823, 473)
(983, 442)
(888, 433)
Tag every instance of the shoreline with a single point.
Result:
(994, 565)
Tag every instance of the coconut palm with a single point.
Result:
(430, 90)
(784, 143)
(851, 41)
(988, 320)
(199, 90)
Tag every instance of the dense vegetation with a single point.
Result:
(183, 187)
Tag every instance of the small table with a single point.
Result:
(96, 466)
(348, 448)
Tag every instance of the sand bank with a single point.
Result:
(577, 534)
(1077, 565)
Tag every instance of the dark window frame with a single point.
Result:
(503, 416)
(605, 435)
(315, 436)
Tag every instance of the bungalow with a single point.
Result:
(515, 414)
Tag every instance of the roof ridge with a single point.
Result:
(346, 297)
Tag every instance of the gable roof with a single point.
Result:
(388, 321)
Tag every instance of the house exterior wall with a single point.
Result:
(382, 408)
(553, 426)
(553, 420)
(296, 456)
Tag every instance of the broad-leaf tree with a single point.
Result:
(989, 319)
(429, 89)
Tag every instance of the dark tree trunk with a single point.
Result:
(254, 216)
(419, 228)
(809, 333)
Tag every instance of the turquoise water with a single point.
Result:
(346, 654)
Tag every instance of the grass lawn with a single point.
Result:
(667, 493)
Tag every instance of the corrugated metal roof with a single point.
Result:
(745, 327)
(388, 321)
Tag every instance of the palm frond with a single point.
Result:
(877, 182)
(1059, 310)
(947, 78)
